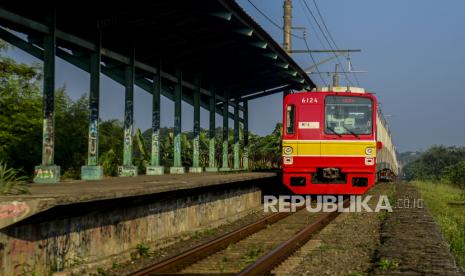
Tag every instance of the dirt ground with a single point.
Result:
(348, 245)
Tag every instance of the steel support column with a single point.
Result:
(196, 168)
(47, 172)
(237, 163)
(129, 74)
(155, 168)
(212, 134)
(225, 166)
(93, 171)
(246, 135)
(177, 162)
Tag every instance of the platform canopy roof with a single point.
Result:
(214, 38)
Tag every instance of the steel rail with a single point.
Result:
(266, 263)
(203, 250)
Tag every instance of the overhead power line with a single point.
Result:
(272, 21)
(301, 37)
(326, 38)
(314, 31)
(314, 62)
(329, 34)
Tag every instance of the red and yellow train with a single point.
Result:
(335, 141)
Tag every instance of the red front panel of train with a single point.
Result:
(329, 143)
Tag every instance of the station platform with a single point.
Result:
(102, 222)
(46, 196)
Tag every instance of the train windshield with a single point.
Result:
(348, 115)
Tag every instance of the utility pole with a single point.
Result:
(336, 76)
(287, 45)
(287, 32)
(287, 28)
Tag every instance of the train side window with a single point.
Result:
(290, 119)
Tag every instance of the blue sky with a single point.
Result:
(414, 52)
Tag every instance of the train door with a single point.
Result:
(309, 126)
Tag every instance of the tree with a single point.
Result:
(71, 128)
(20, 114)
(111, 134)
(430, 165)
(455, 174)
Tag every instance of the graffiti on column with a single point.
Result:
(196, 144)
(44, 174)
(48, 142)
(155, 120)
(211, 153)
(236, 155)
(196, 128)
(155, 137)
(128, 134)
(93, 134)
(246, 157)
(177, 141)
(225, 153)
(155, 148)
(225, 133)
(196, 151)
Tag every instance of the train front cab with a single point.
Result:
(329, 144)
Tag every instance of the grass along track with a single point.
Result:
(447, 204)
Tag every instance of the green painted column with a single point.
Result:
(225, 166)
(196, 142)
(237, 163)
(127, 169)
(246, 135)
(47, 172)
(155, 168)
(177, 162)
(212, 133)
(92, 171)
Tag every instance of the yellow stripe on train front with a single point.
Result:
(329, 148)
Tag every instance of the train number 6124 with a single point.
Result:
(309, 100)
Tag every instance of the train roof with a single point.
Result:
(340, 89)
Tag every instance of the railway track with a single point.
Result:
(254, 249)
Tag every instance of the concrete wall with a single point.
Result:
(69, 235)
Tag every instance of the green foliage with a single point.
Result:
(111, 134)
(144, 155)
(101, 271)
(10, 182)
(437, 163)
(252, 254)
(202, 233)
(20, 114)
(455, 174)
(71, 131)
(110, 162)
(386, 264)
(143, 250)
(265, 152)
(142, 158)
(450, 217)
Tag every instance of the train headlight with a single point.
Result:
(288, 160)
(369, 151)
(288, 150)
